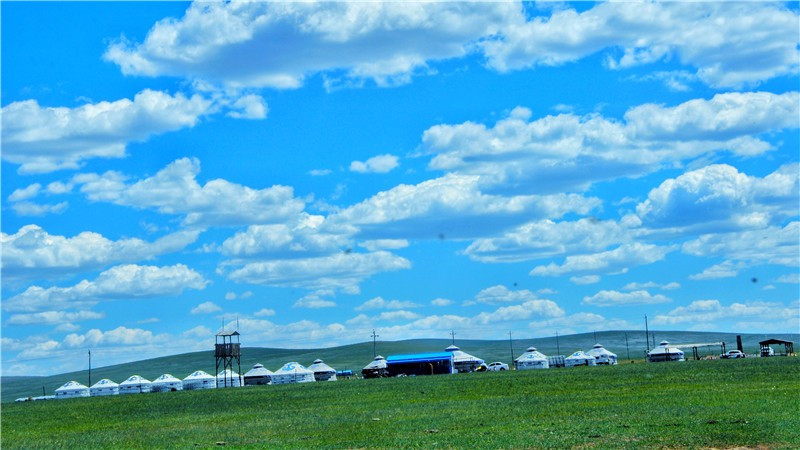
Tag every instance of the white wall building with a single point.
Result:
(531, 359)
(72, 389)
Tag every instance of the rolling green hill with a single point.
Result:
(356, 356)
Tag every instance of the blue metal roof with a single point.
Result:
(419, 357)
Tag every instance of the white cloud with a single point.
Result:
(384, 244)
(230, 296)
(175, 190)
(501, 294)
(348, 42)
(53, 317)
(392, 316)
(615, 298)
(197, 332)
(339, 271)
(441, 302)
(636, 286)
(725, 269)
(566, 152)
(451, 206)
(380, 303)
(119, 282)
(32, 253)
(306, 236)
(206, 308)
(710, 311)
(546, 238)
(30, 209)
(580, 322)
(524, 311)
(612, 261)
(720, 40)
(249, 106)
(45, 139)
(26, 193)
(264, 312)
(320, 172)
(376, 164)
(790, 278)
(313, 301)
(586, 279)
(720, 198)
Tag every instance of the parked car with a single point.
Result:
(732, 354)
(497, 367)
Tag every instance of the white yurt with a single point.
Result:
(229, 378)
(463, 361)
(72, 389)
(199, 380)
(531, 359)
(257, 375)
(166, 383)
(104, 387)
(322, 371)
(665, 353)
(579, 358)
(135, 385)
(376, 369)
(292, 372)
(602, 356)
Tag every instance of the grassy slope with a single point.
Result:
(357, 356)
(720, 403)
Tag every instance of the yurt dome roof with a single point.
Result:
(531, 349)
(105, 382)
(452, 348)
(135, 379)
(72, 385)
(198, 374)
(166, 377)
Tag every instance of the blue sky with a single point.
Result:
(320, 170)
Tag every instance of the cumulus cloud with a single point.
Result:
(376, 164)
(612, 261)
(267, 44)
(441, 302)
(53, 317)
(32, 253)
(501, 294)
(304, 237)
(569, 153)
(264, 312)
(206, 308)
(314, 301)
(616, 298)
(248, 106)
(380, 303)
(451, 206)
(197, 332)
(585, 279)
(710, 311)
(547, 238)
(720, 40)
(120, 282)
(175, 190)
(45, 139)
(343, 271)
(720, 198)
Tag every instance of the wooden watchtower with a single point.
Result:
(226, 351)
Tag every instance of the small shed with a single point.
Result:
(376, 368)
(292, 372)
(579, 358)
(434, 363)
(766, 350)
(135, 385)
(199, 380)
(322, 371)
(665, 353)
(531, 359)
(166, 383)
(258, 375)
(72, 389)
(602, 356)
(463, 361)
(104, 387)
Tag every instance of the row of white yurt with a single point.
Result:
(463, 361)
(322, 371)
(292, 372)
(602, 356)
(531, 359)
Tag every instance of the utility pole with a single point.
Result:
(90, 368)
(646, 334)
(511, 344)
(626, 347)
(558, 347)
(453, 335)
(595, 336)
(374, 336)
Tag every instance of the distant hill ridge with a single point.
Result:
(356, 356)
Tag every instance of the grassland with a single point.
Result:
(721, 403)
(357, 356)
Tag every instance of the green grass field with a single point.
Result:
(722, 403)
(356, 356)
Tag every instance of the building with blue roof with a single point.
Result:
(434, 363)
